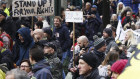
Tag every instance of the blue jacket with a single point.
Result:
(41, 70)
(24, 47)
(62, 34)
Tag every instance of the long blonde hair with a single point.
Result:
(131, 40)
(119, 11)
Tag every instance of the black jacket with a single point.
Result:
(93, 75)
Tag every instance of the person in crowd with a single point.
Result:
(62, 34)
(6, 10)
(120, 7)
(16, 74)
(93, 23)
(54, 62)
(50, 37)
(38, 25)
(114, 20)
(7, 24)
(119, 50)
(82, 46)
(124, 11)
(111, 57)
(126, 2)
(128, 18)
(38, 36)
(42, 19)
(87, 66)
(129, 41)
(113, 6)
(27, 67)
(41, 68)
(99, 47)
(7, 40)
(6, 56)
(137, 26)
(25, 42)
(117, 68)
(110, 41)
(87, 9)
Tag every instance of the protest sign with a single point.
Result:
(32, 7)
(74, 16)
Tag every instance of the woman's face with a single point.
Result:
(109, 70)
(114, 75)
(127, 37)
(120, 6)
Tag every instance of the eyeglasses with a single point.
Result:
(25, 66)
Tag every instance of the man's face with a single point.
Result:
(48, 50)
(4, 5)
(2, 17)
(84, 68)
(102, 49)
(105, 35)
(80, 43)
(25, 66)
(57, 22)
(21, 38)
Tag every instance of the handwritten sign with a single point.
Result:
(32, 7)
(74, 16)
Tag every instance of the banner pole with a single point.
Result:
(73, 43)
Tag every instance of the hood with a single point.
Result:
(40, 65)
(25, 33)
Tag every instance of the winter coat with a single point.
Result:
(100, 56)
(55, 65)
(26, 45)
(110, 42)
(93, 75)
(41, 70)
(62, 34)
(92, 28)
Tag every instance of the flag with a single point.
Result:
(132, 69)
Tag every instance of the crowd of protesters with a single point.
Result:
(46, 52)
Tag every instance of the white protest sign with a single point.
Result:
(74, 16)
(32, 7)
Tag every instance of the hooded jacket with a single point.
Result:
(26, 45)
(41, 70)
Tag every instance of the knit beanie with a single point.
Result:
(119, 65)
(90, 59)
(98, 42)
(3, 13)
(108, 31)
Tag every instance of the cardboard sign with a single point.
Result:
(74, 16)
(32, 8)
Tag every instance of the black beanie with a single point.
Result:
(98, 42)
(108, 31)
(90, 59)
(3, 13)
